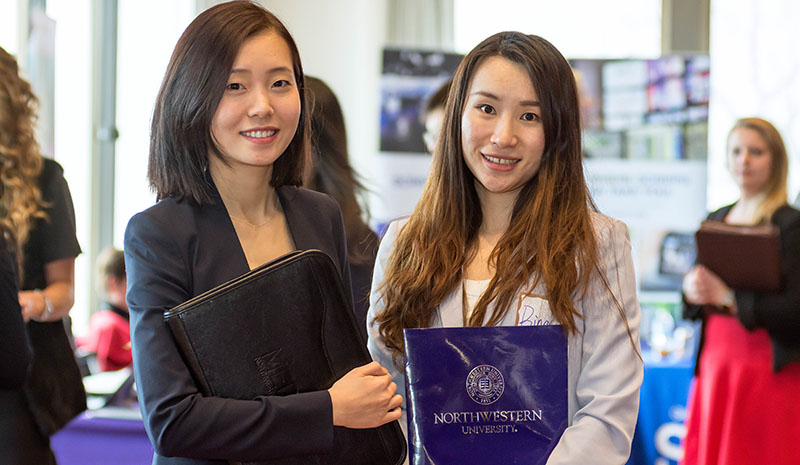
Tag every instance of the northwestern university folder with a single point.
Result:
(485, 395)
(285, 327)
(745, 257)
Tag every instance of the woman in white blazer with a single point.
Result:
(506, 233)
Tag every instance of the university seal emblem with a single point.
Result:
(485, 384)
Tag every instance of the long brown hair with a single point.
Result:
(775, 191)
(20, 157)
(180, 138)
(550, 236)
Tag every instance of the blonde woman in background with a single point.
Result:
(743, 408)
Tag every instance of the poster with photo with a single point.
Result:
(645, 143)
(409, 78)
(645, 109)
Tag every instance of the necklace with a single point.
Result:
(252, 226)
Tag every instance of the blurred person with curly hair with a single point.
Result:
(35, 204)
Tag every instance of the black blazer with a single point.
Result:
(778, 313)
(175, 251)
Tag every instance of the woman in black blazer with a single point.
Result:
(228, 143)
(744, 407)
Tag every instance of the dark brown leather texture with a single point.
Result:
(744, 257)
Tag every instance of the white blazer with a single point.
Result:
(604, 369)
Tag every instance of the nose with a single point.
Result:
(504, 134)
(746, 156)
(260, 105)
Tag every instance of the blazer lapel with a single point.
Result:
(220, 255)
(296, 219)
(720, 214)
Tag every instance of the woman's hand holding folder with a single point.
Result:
(366, 397)
(702, 286)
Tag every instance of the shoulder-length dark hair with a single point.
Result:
(550, 238)
(330, 170)
(180, 139)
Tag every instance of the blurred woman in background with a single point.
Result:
(330, 172)
(36, 205)
(743, 408)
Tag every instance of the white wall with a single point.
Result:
(626, 28)
(341, 42)
(9, 25)
(142, 60)
(755, 71)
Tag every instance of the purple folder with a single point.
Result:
(485, 395)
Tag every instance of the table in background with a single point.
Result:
(662, 411)
(103, 437)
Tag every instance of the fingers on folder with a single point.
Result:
(365, 398)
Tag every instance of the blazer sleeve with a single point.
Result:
(695, 312)
(778, 313)
(179, 420)
(377, 348)
(59, 237)
(611, 369)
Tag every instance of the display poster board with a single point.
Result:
(408, 79)
(645, 143)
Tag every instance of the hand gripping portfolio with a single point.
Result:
(283, 328)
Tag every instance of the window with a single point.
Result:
(141, 63)
(9, 31)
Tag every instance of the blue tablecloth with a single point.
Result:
(99, 440)
(662, 411)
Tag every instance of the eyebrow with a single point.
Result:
(529, 103)
(269, 71)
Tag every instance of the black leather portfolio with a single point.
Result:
(283, 328)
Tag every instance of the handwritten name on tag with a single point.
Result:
(534, 311)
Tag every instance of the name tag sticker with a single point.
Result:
(534, 311)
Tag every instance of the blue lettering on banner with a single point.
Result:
(669, 436)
